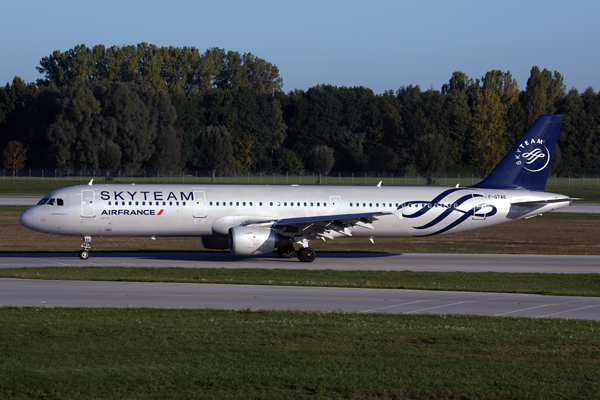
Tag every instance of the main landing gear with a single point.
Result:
(85, 244)
(286, 252)
(305, 254)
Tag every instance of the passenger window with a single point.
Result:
(164, 203)
(149, 203)
(137, 203)
(231, 203)
(122, 203)
(237, 203)
(376, 204)
(170, 203)
(143, 203)
(350, 204)
(244, 203)
(184, 203)
(318, 204)
(109, 203)
(304, 204)
(370, 204)
(250, 204)
(285, 204)
(311, 204)
(324, 204)
(177, 203)
(210, 203)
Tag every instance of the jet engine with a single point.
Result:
(252, 240)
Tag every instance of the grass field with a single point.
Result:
(150, 353)
(550, 234)
(534, 283)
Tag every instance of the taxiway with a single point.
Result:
(563, 264)
(25, 292)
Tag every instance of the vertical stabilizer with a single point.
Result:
(527, 164)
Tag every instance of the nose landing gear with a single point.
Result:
(85, 244)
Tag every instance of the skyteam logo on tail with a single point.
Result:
(533, 155)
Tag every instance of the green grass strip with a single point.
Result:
(57, 353)
(501, 282)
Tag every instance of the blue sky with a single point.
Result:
(377, 44)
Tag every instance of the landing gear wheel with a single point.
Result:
(85, 245)
(306, 254)
(286, 252)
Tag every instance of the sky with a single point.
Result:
(380, 45)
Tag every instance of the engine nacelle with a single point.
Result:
(215, 242)
(252, 240)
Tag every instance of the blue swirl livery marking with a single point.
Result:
(430, 205)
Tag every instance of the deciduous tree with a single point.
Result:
(14, 156)
(487, 130)
(213, 149)
(321, 160)
(431, 154)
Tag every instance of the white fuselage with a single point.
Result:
(194, 210)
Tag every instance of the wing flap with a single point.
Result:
(321, 226)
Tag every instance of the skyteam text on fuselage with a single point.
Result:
(251, 220)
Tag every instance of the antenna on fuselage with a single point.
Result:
(91, 183)
(379, 184)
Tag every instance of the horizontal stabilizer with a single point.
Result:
(549, 201)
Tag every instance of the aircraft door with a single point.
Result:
(336, 204)
(199, 205)
(88, 206)
(480, 208)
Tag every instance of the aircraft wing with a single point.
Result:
(322, 226)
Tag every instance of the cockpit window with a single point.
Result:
(43, 201)
(59, 202)
(51, 202)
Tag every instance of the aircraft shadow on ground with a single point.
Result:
(200, 256)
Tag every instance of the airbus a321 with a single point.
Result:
(251, 220)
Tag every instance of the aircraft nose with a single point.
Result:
(26, 218)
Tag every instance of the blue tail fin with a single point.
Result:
(527, 164)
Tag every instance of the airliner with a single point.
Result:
(254, 219)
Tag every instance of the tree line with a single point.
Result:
(149, 107)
